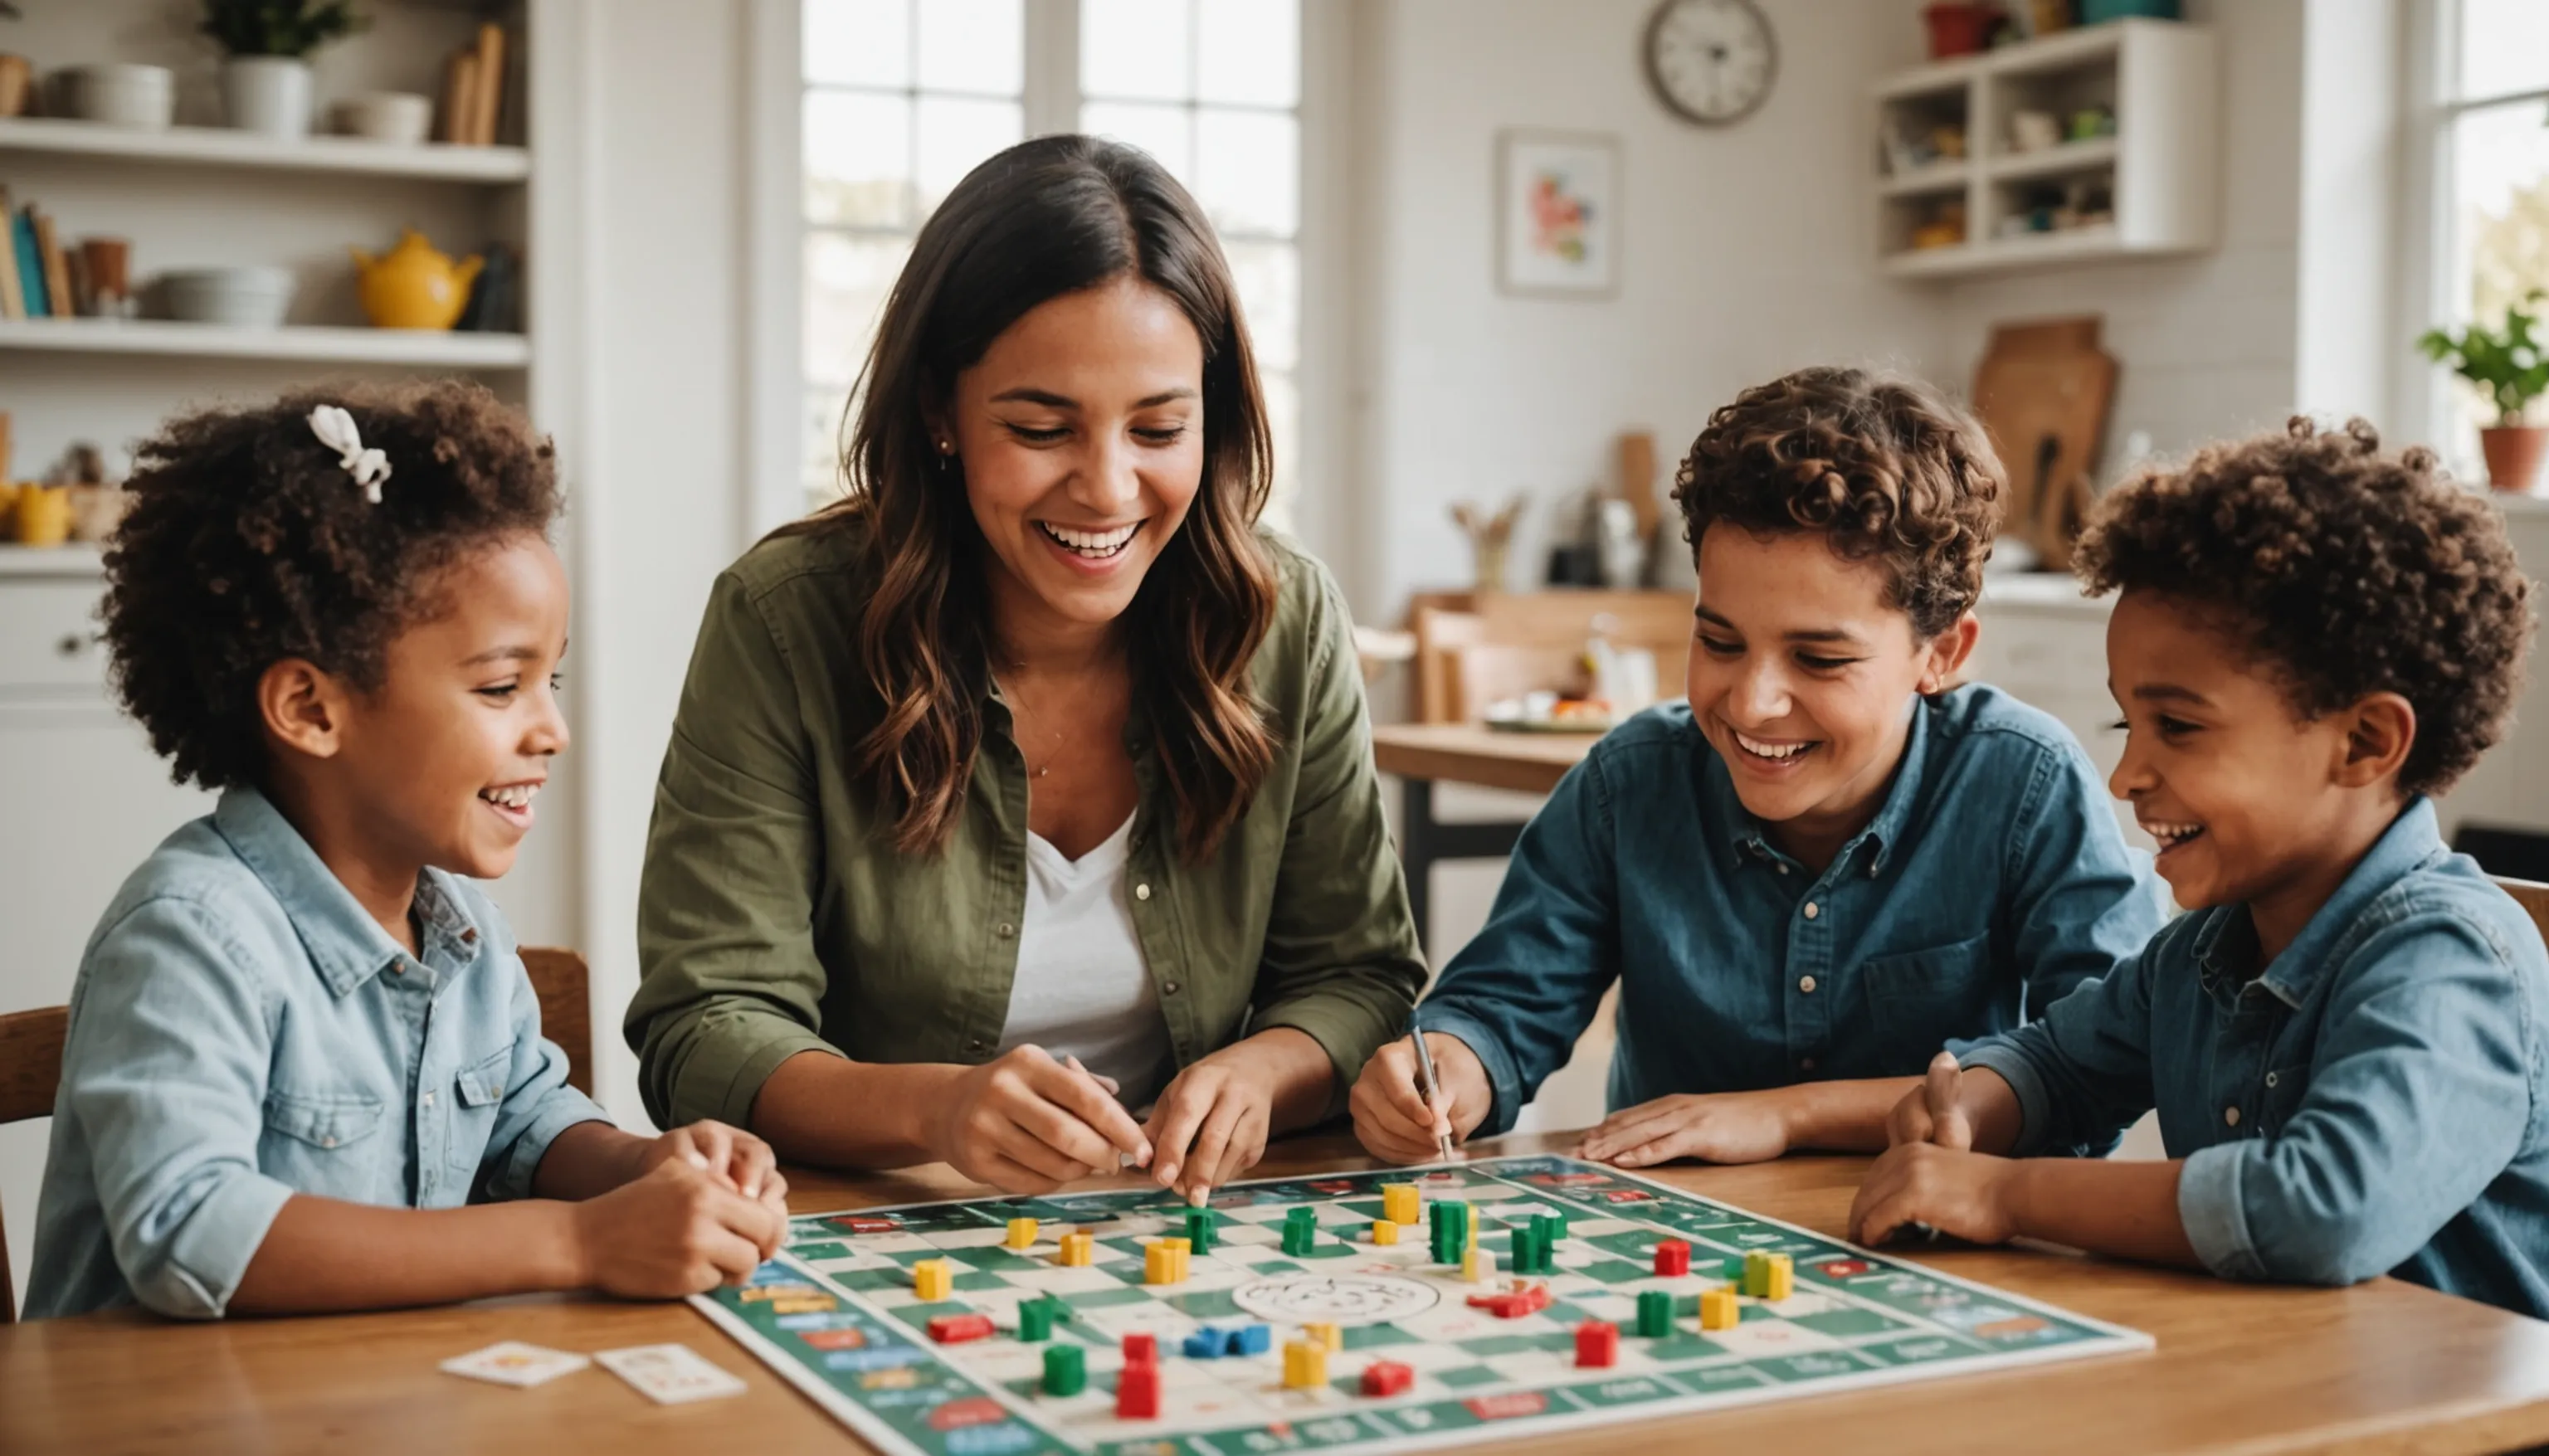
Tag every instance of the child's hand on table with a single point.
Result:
(1966, 1195)
(676, 1229)
(742, 1161)
(1390, 1114)
(1717, 1127)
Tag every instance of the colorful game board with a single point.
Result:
(838, 1317)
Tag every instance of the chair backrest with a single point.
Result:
(2533, 897)
(31, 1070)
(563, 984)
(1504, 644)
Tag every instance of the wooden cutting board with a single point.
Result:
(2043, 390)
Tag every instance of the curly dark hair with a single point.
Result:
(248, 542)
(2343, 571)
(1885, 470)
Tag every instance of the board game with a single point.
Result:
(1302, 1324)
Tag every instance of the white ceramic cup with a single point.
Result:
(250, 298)
(397, 116)
(123, 95)
(268, 94)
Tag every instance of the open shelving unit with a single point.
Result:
(304, 343)
(2159, 175)
(223, 147)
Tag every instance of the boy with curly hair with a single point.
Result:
(1829, 861)
(305, 1069)
(2347, 1038)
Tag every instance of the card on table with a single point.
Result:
(514, 1363)
(670, 1374)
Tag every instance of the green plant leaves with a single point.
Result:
(2509, 363)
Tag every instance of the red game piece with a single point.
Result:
(949, 1330)
(1142, 1349)
(1597, 1343)
(1512, 1304)
(1672, 1258)
(1137, 1391)
(1387, 1378)
(1844, 1268)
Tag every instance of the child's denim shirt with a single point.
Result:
(2372, 1103)
(243, 1031)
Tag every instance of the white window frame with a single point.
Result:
(773, 492)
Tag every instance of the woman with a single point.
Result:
(1031, 783)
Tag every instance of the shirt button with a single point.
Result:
(1170, 989)
(327, 1142)
(1007, 929)
(429, 1099)
(1813, 910)
(1806, 984)
(1141, 893)
(974, 1045)
(1782, 868)
(2231, 1115)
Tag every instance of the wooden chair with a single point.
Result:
(1474, 651)
(31, 1067)
(2532, 896)
(30, 1055)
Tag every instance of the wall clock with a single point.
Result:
(1711, 61)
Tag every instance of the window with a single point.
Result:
(2493, 164)
(904, 97)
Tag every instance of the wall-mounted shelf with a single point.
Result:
(2154, 184)
(223, 147)
(303, 344)
(76, 559)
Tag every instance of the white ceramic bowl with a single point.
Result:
(251, 298)
(119, 95)
(386, 116)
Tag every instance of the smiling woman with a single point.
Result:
(1029, 786)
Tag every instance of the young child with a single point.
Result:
(2346, 1037)
(1825, 864)
(305, 1069)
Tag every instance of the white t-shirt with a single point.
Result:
(1083, 988)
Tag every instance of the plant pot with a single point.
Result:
(268, 94)
(2513, 456)
(1960, 29)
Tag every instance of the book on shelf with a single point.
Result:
(459, 97)
(12, 298)
(58, 277)
(31, 264)
(473, 91)
(491, 84)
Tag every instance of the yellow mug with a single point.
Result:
(42, 516)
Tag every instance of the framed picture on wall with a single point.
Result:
(1558, 213)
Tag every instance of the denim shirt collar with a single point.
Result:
(344, 943)
(2225, 949)
(1732, 824)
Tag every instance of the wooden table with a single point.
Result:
(1423, 754)
(2384, 1366)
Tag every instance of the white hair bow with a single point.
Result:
(335, 430)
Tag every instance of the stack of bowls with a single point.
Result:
(250, 298)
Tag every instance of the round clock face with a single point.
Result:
(1711, 60)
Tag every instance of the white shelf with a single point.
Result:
(310, 344)
(222, 146)
(2001, 254)
(70, 558)
(2054, 161)
(1936, 177)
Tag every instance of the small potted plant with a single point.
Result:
(265, 82)
(2509, 364)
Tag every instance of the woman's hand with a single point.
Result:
(1717, 1128)
(1024, 1123)
(1964, 1194)
(1211, 1123)
(1392, 1118)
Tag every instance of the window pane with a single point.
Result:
(1136, 47)
(858, 43)
(973, 45)
(1249, 52)
(1269, 278)
(819, 437)
(2502, 173)
(846, 282)
(956, 135)
(2505, 46)
(858, 160)
(1250, 166)
(1284, 422)
(1165, 131)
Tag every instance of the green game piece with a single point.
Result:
(1524, 1246)
(1066, 1370)
(1654, 1314)
(1299, 1238)
(1035, 1320)
(1204, 1229)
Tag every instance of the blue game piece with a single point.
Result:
(1205, 1344)
(1252, 1339)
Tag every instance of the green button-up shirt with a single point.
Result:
(775, 917)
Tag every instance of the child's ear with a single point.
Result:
(1946, 655)
(2379, 733)
(303, 706)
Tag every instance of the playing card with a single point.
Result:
(670, 1375)
(515, 1363)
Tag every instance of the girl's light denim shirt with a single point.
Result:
(243, 1031)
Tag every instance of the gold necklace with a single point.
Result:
(1053, 734)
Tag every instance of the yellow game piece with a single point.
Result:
(1400, 1203)
(1384, 1231)
(1471, 1209)
(1022, 1232)
(1719, 1310)
(1305, 1365)
(1165, 1262)
(933, 1279)
(1478, 1265)
(1078, 1250)
(1779, 1277)
(1328, 1337)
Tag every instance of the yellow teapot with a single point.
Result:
(414, 285)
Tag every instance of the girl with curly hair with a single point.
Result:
(1826, 864)
(2347, 1035)
(305, 1069)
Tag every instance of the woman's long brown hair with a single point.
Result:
(1047, 217)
